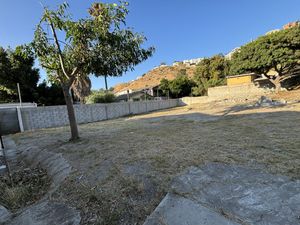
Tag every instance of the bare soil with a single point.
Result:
(123, 167)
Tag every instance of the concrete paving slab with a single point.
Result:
(176, 210)
(240, 194)
(47, 213)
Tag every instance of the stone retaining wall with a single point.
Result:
(236, 91)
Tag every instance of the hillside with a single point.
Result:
(154, 76)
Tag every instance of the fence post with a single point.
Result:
(106, 114)
(20, 119)
(129, 108)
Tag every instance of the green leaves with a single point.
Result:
(277, 51)
(179, 87)
(16, 66)
(210, 72)
(96, 44)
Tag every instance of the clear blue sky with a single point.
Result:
(178, 29)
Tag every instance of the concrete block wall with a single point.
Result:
(194, 100)
(9, 121)
(56, 116)
(236, 91)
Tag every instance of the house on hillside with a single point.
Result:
(147, 93)
(192, 62)
(240, 79)
(251, 78)
(137, 95)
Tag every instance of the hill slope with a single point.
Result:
(154, 76)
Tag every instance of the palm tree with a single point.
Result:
(81, 87)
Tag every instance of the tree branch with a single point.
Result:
(48, 67)
(61, 42)
(58, 48)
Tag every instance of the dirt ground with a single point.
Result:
(124, 167)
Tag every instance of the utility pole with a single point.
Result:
(19, 93)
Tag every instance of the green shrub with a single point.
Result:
(100, 97)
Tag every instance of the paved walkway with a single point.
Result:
(219, 194)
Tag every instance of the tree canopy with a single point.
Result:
(275, 55)
(100, 96)
(99, 44)
(17, 66)
(210, 72)
(179, 87)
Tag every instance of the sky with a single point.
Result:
(178, 29)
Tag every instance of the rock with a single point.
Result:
(4, 214)
(242, 195)
(47, 213)
(267, 102)
(176, 210)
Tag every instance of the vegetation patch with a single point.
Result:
(26, 187)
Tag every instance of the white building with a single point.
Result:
(192, 61)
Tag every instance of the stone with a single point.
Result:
(267, 102)
(176, 210)
(4, 214)
(44, 212)
(243, 195)
(47, 213)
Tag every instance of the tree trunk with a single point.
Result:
(277, 83)
(71, 113)
(105, 79)
(277, 86)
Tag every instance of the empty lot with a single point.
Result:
(122, 168)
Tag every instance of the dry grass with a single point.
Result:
(123, 167)
(28, 186)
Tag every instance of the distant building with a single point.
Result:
(229, 55)
(148, 93)
(240, 79)
(176, 63)
(272, 31)
(192, 62)
(291, 24)
(123, 92)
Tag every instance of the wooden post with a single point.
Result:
(20, 119)
(19, 93)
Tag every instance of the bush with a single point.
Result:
(100, 97)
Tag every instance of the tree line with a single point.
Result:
(17, 66)
(276, 56)
(209, 72)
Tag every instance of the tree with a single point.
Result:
(101, 96)
(210, 72)
(97, 44)
(16, 66)
(277, 51)
(119, 50)
(49, 95)
(164, 86)
(179, 87)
